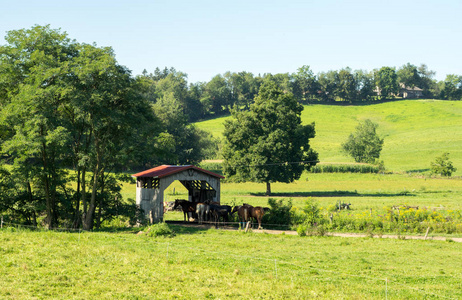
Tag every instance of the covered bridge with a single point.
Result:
(202, 185)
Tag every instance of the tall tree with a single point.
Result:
(364, 84)
(328, 83)
(409, 76)
(451, 88)
(67, 105)
(34, 68)
(109, 119)
(217, 96)
(346, 87)
(268, 143)
(304, 84)
(386, 81)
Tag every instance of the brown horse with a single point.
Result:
(186, 207)
(243, 213)
(257, 213)
(246, 212)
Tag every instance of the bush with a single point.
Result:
(443, 166)
(160, 229)
(312, 213)
(301, 230)
(279, 213)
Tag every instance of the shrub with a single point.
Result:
(443, 166)
(279, 213)
(312, 213)
(301, 230)
(160, 229)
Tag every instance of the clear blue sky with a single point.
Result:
(205, 38)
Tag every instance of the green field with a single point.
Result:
(415, 131)
(220, 264)
(217, 264)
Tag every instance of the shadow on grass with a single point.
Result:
(187, 228)
(333, 194)
(418, 170)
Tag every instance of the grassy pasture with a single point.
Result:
(415, 131)
(364, 191)
(217, 264)
(368, 193)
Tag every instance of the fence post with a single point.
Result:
(247, 226)
(167, 250)
(426, 234)
(276, 268)
(386, 288)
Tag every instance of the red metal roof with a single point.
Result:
(167, 170)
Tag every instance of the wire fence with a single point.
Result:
(280, 269)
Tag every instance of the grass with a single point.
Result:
(369, 194)
(364, 191)
(216, 264)
(415, 131)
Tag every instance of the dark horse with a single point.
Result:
(220, 211)
(186, 207)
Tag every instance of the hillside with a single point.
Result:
(415, 131)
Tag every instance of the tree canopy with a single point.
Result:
(66, 106)
(268, 143)
(364, 145)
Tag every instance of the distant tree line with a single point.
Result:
(203, 100)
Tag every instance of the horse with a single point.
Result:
(246, 212)
(220, 211)
(168, 206)
(186, 206)
(202, 211)
(257, 213)
(243, 213)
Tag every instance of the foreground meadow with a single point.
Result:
(218, 264)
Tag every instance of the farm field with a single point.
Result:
(217, 264)
(415, 131)
(368, 194)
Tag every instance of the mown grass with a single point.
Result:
(217, 264)
(415, 131)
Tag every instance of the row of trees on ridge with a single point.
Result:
(215, 98)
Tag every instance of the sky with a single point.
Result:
(205, 38)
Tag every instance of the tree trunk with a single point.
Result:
(100, 204)
(90, 214)
(76, 222)
(46, 183)
(31, 199)
(268, 188)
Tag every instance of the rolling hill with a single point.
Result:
(415, 131)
